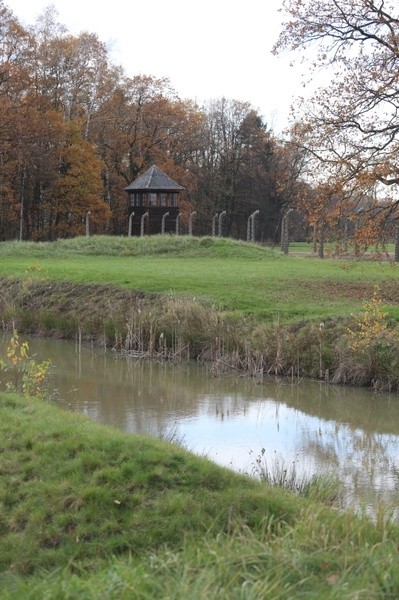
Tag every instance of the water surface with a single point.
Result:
(311, 426)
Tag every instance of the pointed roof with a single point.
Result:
(154, 179)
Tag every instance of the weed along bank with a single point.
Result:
(153, 203)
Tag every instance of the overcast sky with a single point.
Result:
(208, 50)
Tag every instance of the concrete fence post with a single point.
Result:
(190, 222)
(214, 224)
(220, 230)
(88, 223)
(142, 223)
(129, 231)
(253, 222)
(166, 214)
(178, 224)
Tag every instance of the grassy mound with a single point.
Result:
(156, 245)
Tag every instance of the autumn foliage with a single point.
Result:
(75, 130)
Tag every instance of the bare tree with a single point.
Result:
(351, 126)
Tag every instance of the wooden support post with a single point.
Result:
(346, 235)
(314, 239)
(285, 231)
(321, 242)
(397, 244)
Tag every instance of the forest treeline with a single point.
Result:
(75, 130)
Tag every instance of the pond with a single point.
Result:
(304, 425)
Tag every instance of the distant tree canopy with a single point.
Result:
(75, 130)
(350, 128)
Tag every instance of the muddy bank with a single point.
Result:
(62, 308)
(131, 321)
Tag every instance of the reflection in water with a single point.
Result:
(351, 432)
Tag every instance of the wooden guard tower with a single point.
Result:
(154, 200)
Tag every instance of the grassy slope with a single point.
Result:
(233, 275)
(90, 512)
(75, 491)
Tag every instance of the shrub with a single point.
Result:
(21, 371)
(369, 350)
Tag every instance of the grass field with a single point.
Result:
(234, 276)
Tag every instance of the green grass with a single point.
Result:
(234, 276)
(331, 249)
(135, 246)
(90, 512)
(73, 491)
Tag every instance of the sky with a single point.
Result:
(208, 50)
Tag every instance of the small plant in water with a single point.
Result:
(20, 370)
(318, 487)
(173, 436)
(278, 473)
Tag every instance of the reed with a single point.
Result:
(169, 327)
